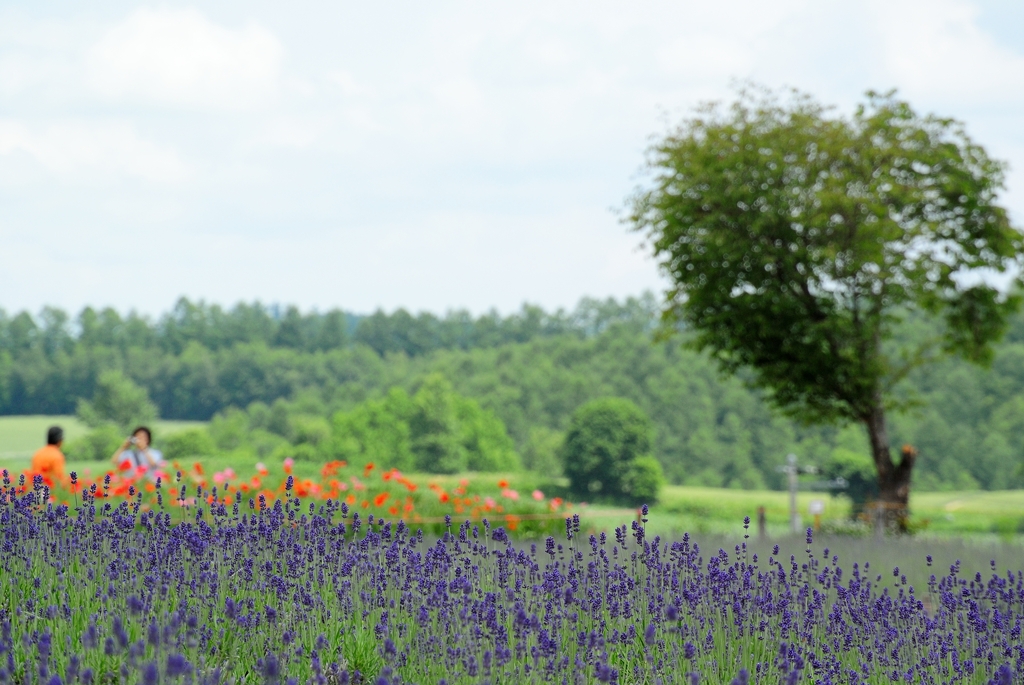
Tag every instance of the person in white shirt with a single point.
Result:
(138, 452)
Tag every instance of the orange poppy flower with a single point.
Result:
(381, 498)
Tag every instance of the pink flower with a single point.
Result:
(229, 473)
(510, 494)
(538, 495)
(218, 478)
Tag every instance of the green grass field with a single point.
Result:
(981, 515)
(995, 513)
(20, 436)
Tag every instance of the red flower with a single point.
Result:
(381, 498)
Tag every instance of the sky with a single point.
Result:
(431, 156)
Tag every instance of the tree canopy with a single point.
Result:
(606, 453)
(797, 241)
(709, 429)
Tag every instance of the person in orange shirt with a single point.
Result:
(49, 461)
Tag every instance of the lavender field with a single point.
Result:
(313, 593)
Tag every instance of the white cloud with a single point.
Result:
(935, 49)
(432, 155)
(79, 151)
(178, 57)
(712, 57)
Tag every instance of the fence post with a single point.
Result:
(762, 523)
(794, 514)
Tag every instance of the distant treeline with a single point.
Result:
(53, 331)
(199, 359)
(532, 369)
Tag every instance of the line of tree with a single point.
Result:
(54, 332)
(967, 422)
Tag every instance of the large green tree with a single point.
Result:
(796, 240)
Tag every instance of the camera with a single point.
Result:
(133, 440)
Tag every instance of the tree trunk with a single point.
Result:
(893, 479)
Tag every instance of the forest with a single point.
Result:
(270, 377)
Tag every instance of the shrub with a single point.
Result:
(304, 452)
(643, 480)
(541, 453)
(195, 442)
(229, 428)
(118, 400)
(96, 445)
(374, 432)
(311, 430)
(488, 446)
(605, 438)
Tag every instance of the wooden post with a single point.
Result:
(762, 524)
(817, 508)
(794, 515)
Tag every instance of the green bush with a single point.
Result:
(643, 480)
(487, 444)
(436, 430)
(541, 454)
(310, 430)
(302, 452)
(96, 445)
(195, 442)
(434, 426)
(375, 431)
(118, 400)
(229, 429)
(606, 438)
